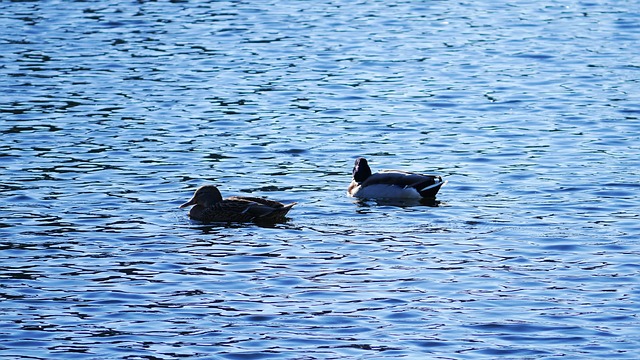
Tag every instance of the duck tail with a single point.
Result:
(432, 189)
(278, 214)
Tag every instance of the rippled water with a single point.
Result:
(112, 113)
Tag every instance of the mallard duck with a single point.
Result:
(391, 184)
(208, 206)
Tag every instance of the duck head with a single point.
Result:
(204, 196)
(361, 170)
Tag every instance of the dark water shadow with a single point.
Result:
(213, 227)
(403, 203)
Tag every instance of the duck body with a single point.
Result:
(392, 184)
(209, 206)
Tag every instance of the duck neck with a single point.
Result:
(196, 212)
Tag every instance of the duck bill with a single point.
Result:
(188, 203)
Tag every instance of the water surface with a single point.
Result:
(112, 114)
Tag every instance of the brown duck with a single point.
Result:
(208, 206)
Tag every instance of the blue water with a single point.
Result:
(112, 113)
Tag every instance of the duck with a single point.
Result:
(391, 184)
(209, 206)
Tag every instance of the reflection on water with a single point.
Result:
(113, 113)
(430, 202)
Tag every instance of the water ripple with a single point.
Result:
(114, 113)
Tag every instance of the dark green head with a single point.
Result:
(361, 170)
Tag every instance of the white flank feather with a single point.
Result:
(386, 192)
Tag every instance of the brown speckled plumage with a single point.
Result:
(208, 206)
